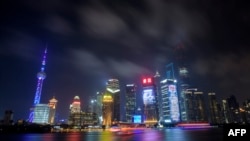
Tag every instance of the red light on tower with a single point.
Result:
(149, 80)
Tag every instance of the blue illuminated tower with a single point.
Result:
(40, 76)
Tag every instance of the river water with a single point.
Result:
(169, 134)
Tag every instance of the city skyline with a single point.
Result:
(91, 42)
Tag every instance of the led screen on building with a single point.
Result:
(137, 119)
(148, 97)
(174, 107)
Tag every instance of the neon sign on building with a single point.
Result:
(147, 81)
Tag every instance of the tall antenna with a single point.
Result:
(40, 76)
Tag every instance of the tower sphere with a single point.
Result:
(76, 97)
(41, 75)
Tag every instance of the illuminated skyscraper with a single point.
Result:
(75, 107)
(195, 106)
(170, 71)
(213, 108)
(75, 117)
(234, 110)
(40, 76)
(99, 97)
(226, 112)
(199, 107)
(246, 110)
(92, 106)
(183, 84)
(52, 111)
(181, 59)
(130, 106)
(113, 88)
(157, 80)
(107, 109)
(150, 106)
(170, 103)
(95, 106)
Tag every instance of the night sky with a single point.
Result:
(90, 41)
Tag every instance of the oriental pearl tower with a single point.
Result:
(40, 76)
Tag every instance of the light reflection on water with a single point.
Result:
(173, 134)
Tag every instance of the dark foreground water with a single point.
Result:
(172, 134)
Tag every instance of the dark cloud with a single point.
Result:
(227, 73)
(58, 25)
(122, 68)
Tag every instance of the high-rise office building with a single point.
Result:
(246, 110)
(199, 107)
(130, 103)
(183, 86)
(220, 113)
(226, 113)
(92, 106)
(170, 104)
(95, 105)
(40, 76)
(113, 87)
(213, 108)
(189, 106)
(195, 106)
(52, 111)
(99, 97)
(75, 117)
(150, 106)
(75, 107)
(107, 109)
(157, 80)
(170, 71)
(234, 109)
(183, 76)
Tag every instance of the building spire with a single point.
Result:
(44, 59)
(157, 74)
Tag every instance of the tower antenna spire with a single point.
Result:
(44, 59)
(40, 76)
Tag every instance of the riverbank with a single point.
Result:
(30, 128)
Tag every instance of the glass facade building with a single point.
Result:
(113, 88)
(130, 104)
(170, 103)
(150, 103)
(107, 109)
